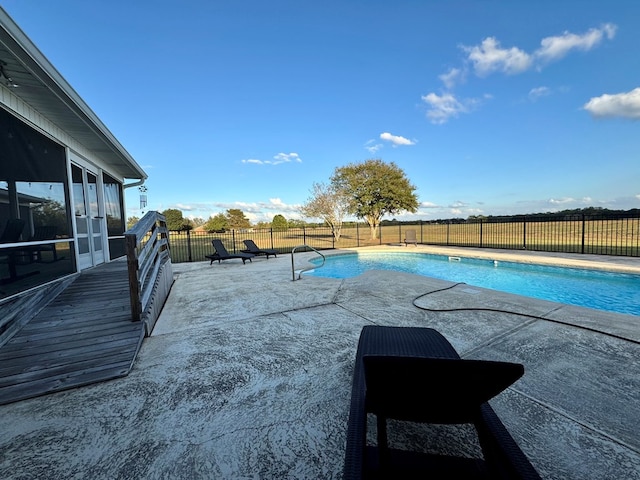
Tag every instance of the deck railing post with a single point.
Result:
(134, 284)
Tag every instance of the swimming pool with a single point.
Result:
(614, 292)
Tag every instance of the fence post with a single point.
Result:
(399, 233)
(304, 236)
(189, 246)
(583, 227)
(233, 239)
(448, 227)
(524, 233)
(271, 235)
(421, 236)
(357, 235)
(480, 233)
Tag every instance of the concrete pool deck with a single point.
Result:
(248, 375)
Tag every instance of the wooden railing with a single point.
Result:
(149, 266)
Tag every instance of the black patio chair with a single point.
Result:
(221, 253)
(414, 374)
(253, 248)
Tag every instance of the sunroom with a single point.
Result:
(62, 181)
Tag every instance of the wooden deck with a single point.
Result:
(85, 335)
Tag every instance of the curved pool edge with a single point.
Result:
(610, 263)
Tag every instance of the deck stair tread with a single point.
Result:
(85, 335)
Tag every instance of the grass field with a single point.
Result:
(602, 236)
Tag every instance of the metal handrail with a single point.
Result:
(293, 270)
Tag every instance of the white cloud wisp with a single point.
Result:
(277, 159)
(396, 139)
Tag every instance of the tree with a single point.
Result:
(197, 221)
(52, 213)
(131, 221)
(375, 189)
(279, 222)
(174, 219)
(329, 204)
(217, 223)
(236, 219)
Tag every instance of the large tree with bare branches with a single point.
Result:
(328, 204)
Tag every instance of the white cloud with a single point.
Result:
(181, 206)
(489, 57)
(443, 107)
(446, 106)
(625, 105)
(538, 92)
(395, 139)
(555, 48)
(374, 148)
(561, 201)
(453, 77)
(277, 159)
(287, 157)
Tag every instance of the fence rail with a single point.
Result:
(587, 234)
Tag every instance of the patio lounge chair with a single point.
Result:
(41, 234)
(414, 374)
(12, 230)
(253, 248)
(222, 254)
(410, 237)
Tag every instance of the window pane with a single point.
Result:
(42, 204)
(113, 206)
(78, 191)
(93, 195)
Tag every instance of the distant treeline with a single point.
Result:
(548, 216)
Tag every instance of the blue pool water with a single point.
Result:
(615, 292)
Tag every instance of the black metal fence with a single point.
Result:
(589, 234)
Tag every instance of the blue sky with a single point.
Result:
(489, 107)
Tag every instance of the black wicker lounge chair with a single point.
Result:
(221, 253)
(415, 374)
(253, 248)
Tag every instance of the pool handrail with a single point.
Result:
(293, 270)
